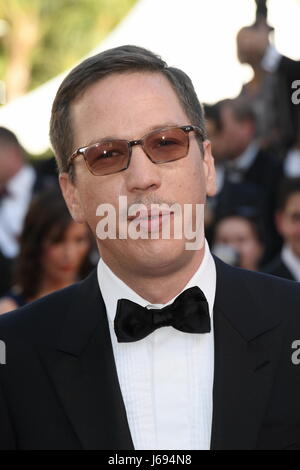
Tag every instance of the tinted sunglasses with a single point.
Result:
(161, 146)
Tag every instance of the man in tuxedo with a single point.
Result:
(19, 181)
(287, 263)
(161, 347)
(17, 178)
(248, 176)
(272, 91)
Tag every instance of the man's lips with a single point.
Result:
(149, 215)
(67, 268)
(152, 220)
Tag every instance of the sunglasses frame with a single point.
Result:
(82, 150)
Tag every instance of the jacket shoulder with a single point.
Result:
(44, 314)
(270, 292)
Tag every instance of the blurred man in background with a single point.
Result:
(17, 179)
(244, 238)
(247, 175)
(287, 263)
(270, 91)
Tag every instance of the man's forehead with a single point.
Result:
(128, 106)
(134, 89)
(151, 128)
(136, 81)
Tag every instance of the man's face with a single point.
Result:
(128, 106)
(10, 161)
(238, 233)
(252, 44)
(234, 137)
(288, 223)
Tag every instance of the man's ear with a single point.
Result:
(71, 196)
(209, 169)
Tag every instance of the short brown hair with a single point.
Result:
(288, 187)
(117, 60)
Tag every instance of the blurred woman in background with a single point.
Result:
(53, 252)
(238, 241)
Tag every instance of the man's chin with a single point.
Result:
(161, 255)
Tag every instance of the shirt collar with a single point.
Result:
(21, 181)
(245, 160)
(271, 59)
(113, 288)
(292, 261)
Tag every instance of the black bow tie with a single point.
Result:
(189, 313)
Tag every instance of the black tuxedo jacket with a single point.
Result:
(5, 273)
(278, 268)
(257, 189)
(59, 387)
(288, 112)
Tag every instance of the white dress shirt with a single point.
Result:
(13, 209)
(166, 379)
(291, 261)
(238, 167)
(271, 59)
(291, 163)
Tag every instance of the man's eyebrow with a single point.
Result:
(147, 131)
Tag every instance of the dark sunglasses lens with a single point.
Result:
(167, 145)
(108, 157)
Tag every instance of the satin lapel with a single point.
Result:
(247, 345)
(84, 373)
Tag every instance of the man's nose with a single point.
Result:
(142, 174)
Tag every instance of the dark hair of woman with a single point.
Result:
(47, 221)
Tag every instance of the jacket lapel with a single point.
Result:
(247, 344)
(84, 374)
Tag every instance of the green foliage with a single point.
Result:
(67, 30)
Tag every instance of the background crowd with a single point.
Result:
(254, 219)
